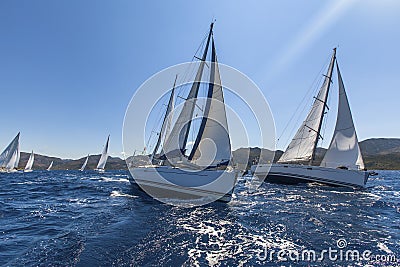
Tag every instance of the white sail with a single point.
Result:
(29, 164)
(165, 127)
(18, 157)
(343, 150)
(13, 161)
(84, 164)
(104, 156)
(51, 165)
(212, 146)
(170, 115)
(303, 144)
(175, 144)
(9, 158)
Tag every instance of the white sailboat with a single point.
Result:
(173, 173)
(50, 166)
(84, 164)
(103, 158)
(9, 158)
(342, 165)
(29, 164)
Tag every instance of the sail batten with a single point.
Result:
(343, 150)
(303, 145)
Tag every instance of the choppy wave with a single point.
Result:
(91, 219)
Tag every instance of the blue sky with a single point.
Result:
(69, 68)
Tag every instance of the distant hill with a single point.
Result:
(380, 146)
(42, 162)
(378, 153)
(381, 153)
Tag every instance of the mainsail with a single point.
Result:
(303, 145)
(165, 128)
(84, 164)
(343, 150)
(9, 159)
(29, 164)
(176, 142)
(212, 146)
(104, 156)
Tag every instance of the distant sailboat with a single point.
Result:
(342, 165)
(84, 164)
(103, 158)
(9, 159)
(51, 165)
(29, 164)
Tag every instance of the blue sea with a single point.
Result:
(71, 218)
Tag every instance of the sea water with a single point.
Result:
(72, 218)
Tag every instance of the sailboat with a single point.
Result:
(103, 158)
(29, 164)
(50, 166)
(84, 164)
(9, 158)
(187, 176)
(342, 164)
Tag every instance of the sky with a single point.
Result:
(68, 69)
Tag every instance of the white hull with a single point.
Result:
(27, 170)
(166, 181)
(3, 170)
(292, 174)
(99, 170)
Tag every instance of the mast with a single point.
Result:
(328, 80)
(195, 87)
(163, 126)
(208, 103)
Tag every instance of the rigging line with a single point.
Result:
(183, 80)
(302, 104)
(313, 87)
(191, 70)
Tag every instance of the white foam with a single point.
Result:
(120, 194)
